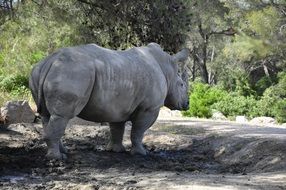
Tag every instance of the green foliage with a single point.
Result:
(26, 39)
(30, 36)
(132, 23)
(242, 86)
(205, 98)
(257, 28)
(245, 64)
(13, 82)
(280, 111)
(272, 103)
(36, 56)
(14, 87)
(262, 84)
(233, 105)
(201, 98)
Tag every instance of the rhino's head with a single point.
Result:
(177, 97)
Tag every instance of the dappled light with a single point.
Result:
(161, 94)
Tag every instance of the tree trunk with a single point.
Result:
(204, 72)
(201, 62)
(194, 70)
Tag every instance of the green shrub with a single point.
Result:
(242, 86)
(265, 106)
(14, 87)
(273, 101)
(262, 85)
(233, 105)
(14, 82)
(280, 111)
(201, 98)
(36, 57)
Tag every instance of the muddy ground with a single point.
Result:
(183, 154)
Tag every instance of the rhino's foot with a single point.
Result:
(63, 149)
(115, 147)
(57, 156)
(138, 150)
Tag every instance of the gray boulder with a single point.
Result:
(217, 115)
(241, 119)
(17, 112)
(263, 120)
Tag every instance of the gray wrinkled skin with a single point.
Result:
(103, 85)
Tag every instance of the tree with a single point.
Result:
(259, 46)
(6, 9)
(208, 25)
(124, 24)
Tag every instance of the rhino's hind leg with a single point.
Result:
(63, 149)
(116, 137)
(140, 124)
(52, 135)
(45, 122)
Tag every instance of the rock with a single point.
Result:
(176, 113)
(167, 113)
(164, 112)
(86, 187)
(241, 119)
(218, 116)
(17, 112)
(263, 120)
(168, 141)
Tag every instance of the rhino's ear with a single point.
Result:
(181, 56)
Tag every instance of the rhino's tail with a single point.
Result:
(37, 79)
(33, 85)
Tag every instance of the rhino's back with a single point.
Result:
(124, 82)
(111, 83)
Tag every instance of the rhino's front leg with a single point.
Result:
(53, 132)
(116, 137)
(141, 122)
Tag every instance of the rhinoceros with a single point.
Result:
(103, 85)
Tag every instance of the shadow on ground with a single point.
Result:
(181, 155)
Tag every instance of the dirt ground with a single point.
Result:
(183, 154)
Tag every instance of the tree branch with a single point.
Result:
(92, 4)
(228, 32)
(201, 30)
(35, 2)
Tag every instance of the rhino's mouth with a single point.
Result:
(173, 107)
(185, 108)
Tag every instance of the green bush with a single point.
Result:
(204, 99)
(280, 111)
(11, 83)
(201, 98)
(273, 101)
(265, 106)
(14, 87)
(233, 105)
(262, 85)
(36, 57)
(243, 87)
